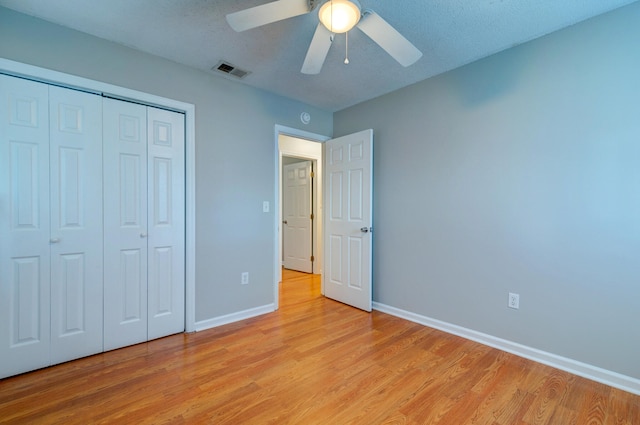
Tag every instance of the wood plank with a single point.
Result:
(315, 361)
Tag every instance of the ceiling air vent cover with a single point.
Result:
(227, 68)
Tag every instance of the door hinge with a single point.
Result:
(313, 258)
(311, 216)
(312, 174)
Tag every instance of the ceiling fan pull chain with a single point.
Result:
(346, 52)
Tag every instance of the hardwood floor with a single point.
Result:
(315, 361)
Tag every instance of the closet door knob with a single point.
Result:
(54, 240)
(143, 235)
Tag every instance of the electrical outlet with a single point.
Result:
(244, 278)
(514, 300)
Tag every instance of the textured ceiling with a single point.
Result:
(450, 33)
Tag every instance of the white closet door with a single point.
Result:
(125, 223)
(166, 222)
(24, 226)
(76, 223)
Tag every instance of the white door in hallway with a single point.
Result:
(24, 226)
(125, 223)
(76, 223)
(296, 213)
(166, 222)
(349, 219)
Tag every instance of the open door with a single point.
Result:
(348, 219)
(297, 217)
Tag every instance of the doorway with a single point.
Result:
(302, 145)
(349, 169)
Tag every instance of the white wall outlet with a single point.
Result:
(244, 278)
(265, 206)
(514, 300)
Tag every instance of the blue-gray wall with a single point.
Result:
(235, 148)
(518, 173)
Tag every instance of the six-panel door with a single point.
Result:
(53, 221)
(125, 223)
(75, 184)
(348, 220)
(166, 222)
(296, 215)
(24, 226)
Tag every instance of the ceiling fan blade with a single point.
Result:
(267, 13)
(389, 38)
(318, 50)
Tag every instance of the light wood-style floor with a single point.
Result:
(315, 361)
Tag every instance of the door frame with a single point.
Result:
(305, 137)
(18, 69)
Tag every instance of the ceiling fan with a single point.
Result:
(336, 16)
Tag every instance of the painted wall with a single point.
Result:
(518, 173)
(232, 121)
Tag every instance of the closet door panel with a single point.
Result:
(125, 223)
(76, 224)
(166, 222)
(24, 226)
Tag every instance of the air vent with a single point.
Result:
(227, 68)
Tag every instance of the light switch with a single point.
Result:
(265, 206)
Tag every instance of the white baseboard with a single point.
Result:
(607, 377)
(234, 317)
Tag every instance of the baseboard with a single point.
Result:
(234, 317)
(607, 377)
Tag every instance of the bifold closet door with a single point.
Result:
(125, 223)
(50, 225)
(76, 223)
(166, 222)
(24, 226)
(144, 223)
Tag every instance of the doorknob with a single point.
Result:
(364, 229)
(143, 235)
(54, 240)
(284, 221)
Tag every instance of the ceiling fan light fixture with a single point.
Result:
(339, 16)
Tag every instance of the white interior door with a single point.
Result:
(296, 213)
(24, 226)
(76, 223)
(125, 223)
(52, 224)
(348, 219)
(166, 222)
